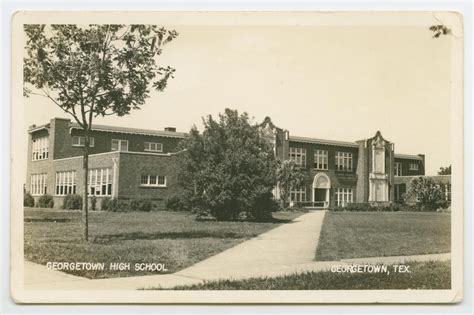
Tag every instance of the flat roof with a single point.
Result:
(324, 141)
(138, 131)
(408, 156)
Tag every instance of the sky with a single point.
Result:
(332, 82)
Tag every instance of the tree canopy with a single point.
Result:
(228, 170)
(445, 170)
(95, 70)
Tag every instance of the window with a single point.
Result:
(398, 169)
(298, 195)
(153, 146)
(344, 196)
(40, 149)
(78, 141)
(65, 183)
(321, 159)
(413, 167)
(343, 161)
(38, 184)
(298, 155)
(100, 182)
(119, 145)
(148, 180)
(447, 192)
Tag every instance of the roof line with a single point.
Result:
(324, 141)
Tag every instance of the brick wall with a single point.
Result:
(132, 166)
(406, 166)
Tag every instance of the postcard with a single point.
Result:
(237, 157)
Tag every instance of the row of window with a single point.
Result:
(99, 180)
(343, 196)
(399, 168)
(117, 144)
(40, 146)
(344, 160)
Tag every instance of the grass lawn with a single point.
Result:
(424, 275)
(173, 238)
(370, 234)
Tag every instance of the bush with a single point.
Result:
(263, 208)
(141, 204)
(370, 207)
(105, 204)
(46, 201)
(117, 205)
(28, 200)
(174, 203)
(428, 193)
(72, 202)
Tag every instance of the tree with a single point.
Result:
(439, 30)
(95, 70)
(445, 170)
(228, 171)
(428, 193)
(289, 176)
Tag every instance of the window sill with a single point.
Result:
(154, 151)
(152, 186)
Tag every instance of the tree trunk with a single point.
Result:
(85, 199)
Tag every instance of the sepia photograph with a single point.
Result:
(237, 157)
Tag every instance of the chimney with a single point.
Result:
(170, 129)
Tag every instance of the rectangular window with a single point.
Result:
(298, 155)
(78, 141)
(38, 184)
(153, 147)
(344, 196)
(447, 192)
(65, 183)
(298, 195)
(119, 145)
(40, 149)
(413, 167)
(321, 159)
(100, 181)
(344, 161)
(152, 180)
(398, 169)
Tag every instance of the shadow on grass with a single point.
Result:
(167, 235)
(57, 220)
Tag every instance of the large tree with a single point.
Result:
(228, 171)
(95, 70)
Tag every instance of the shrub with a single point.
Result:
(72, 202)
(46, 201)
(263, 208)
(94, 203)
(105, 204)
(141, 204)
(28, 200)
(428, 193)
(118, 205)
(174, 203)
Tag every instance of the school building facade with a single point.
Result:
(128, 163)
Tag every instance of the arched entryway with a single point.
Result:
(321, 186)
